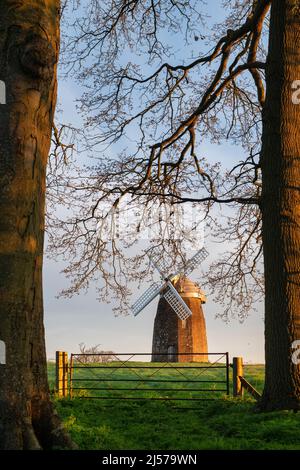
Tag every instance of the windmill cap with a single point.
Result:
(188, 289)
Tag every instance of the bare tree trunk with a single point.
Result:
(29, 47)
(281, 208)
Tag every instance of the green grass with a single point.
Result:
(225, 423)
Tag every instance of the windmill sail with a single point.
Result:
(146, 298)
(159, 262)
(188, 267)
(175, 301)
(170, 293)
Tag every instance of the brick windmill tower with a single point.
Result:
(171, 335)
(179, 325)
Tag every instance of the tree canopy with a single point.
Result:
(159, 79)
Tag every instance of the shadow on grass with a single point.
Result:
(224, 424)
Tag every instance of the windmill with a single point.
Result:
(175, 330)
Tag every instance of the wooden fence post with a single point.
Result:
(62, 373)
(71, 370)
(237, 366)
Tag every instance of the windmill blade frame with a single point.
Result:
(147, 297)
(194, 261)
(175, 301)
(159, 263)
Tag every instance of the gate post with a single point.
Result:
(62, 373)
(237, 366)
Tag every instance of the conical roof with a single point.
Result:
(188, 289)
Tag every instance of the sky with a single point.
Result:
(83, 319)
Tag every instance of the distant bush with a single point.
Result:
(94, 354)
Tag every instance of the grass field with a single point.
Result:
(224, 423)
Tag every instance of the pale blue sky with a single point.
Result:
(83, 319)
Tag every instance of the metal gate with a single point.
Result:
(130, 376)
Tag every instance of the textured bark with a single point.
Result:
(29, 47)
(281, 208)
